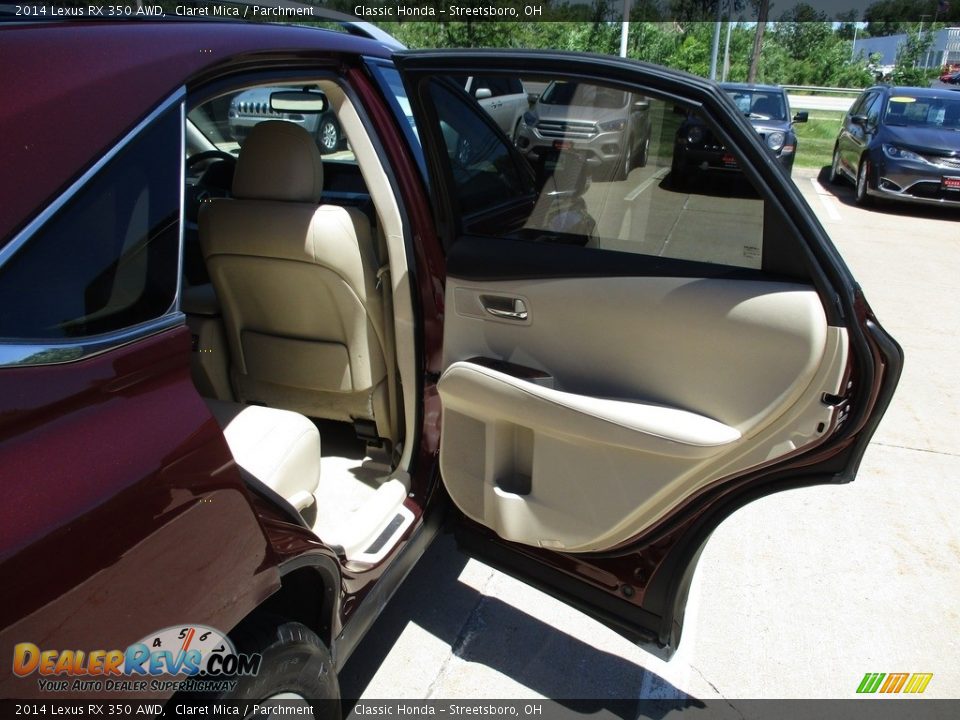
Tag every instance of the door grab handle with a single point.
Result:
(504, 307)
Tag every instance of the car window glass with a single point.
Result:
(226, 121)
(760, 104)
(861, 103)
(484, 170)
(395, 91)
(484, 83)
(584, 95)
(934, 112)
(613, 170)
(499, 86)
(109, 259)
(873, 111)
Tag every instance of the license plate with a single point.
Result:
(729, 160)
(950, 183)
(562, 145)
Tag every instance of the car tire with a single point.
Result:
(644, 153)
(623, 166)
(835, 176)
(863, 180)
(328, 135)
(295, 663)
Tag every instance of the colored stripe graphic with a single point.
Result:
(918, 682)
(894, 682)
(870, 682)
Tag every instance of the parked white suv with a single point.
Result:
(253, 106)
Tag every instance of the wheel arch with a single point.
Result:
(309, 594)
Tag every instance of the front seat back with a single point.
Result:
(297, 282)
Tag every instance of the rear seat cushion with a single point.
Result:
(278, 447)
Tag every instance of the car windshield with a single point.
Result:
(760, 104)
(931, 112)
(583, 95)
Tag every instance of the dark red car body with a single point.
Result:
(166, 497)
(108, 533)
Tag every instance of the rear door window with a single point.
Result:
(612, 170)
(109, 259)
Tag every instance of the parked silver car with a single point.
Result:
(609, 127)
(253, 106)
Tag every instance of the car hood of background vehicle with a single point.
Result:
(256, 95)
(769, 126)
(575, 113)
(922, 139)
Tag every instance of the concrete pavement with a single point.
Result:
(798, 594)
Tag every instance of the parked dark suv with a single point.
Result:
(240, 395)
(768, 109)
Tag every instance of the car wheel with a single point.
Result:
(328, 136)
(863, 174)
(296, 665)
(623, 167)
(644, 153)
(835, 175)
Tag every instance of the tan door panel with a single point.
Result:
(656, 387)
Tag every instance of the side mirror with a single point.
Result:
(860, 120)
(801, 117)
(532, 98)
(483, 94)
(307, 102)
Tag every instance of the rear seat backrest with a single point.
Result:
(297, 283)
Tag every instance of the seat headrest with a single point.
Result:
(278, 161)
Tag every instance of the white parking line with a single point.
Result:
(827, 199)
(635, 193)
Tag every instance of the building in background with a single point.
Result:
(944, 50)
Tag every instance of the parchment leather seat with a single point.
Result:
(279, 448)
(297, 282)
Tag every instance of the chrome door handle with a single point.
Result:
(505, 307)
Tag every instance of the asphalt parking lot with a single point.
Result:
(799, 594)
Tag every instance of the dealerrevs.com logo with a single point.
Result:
(193, 658)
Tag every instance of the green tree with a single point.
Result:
(847, 28)
(909, 54)
(653, 42)
(763, 10)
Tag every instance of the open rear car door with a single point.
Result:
(626, 363)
